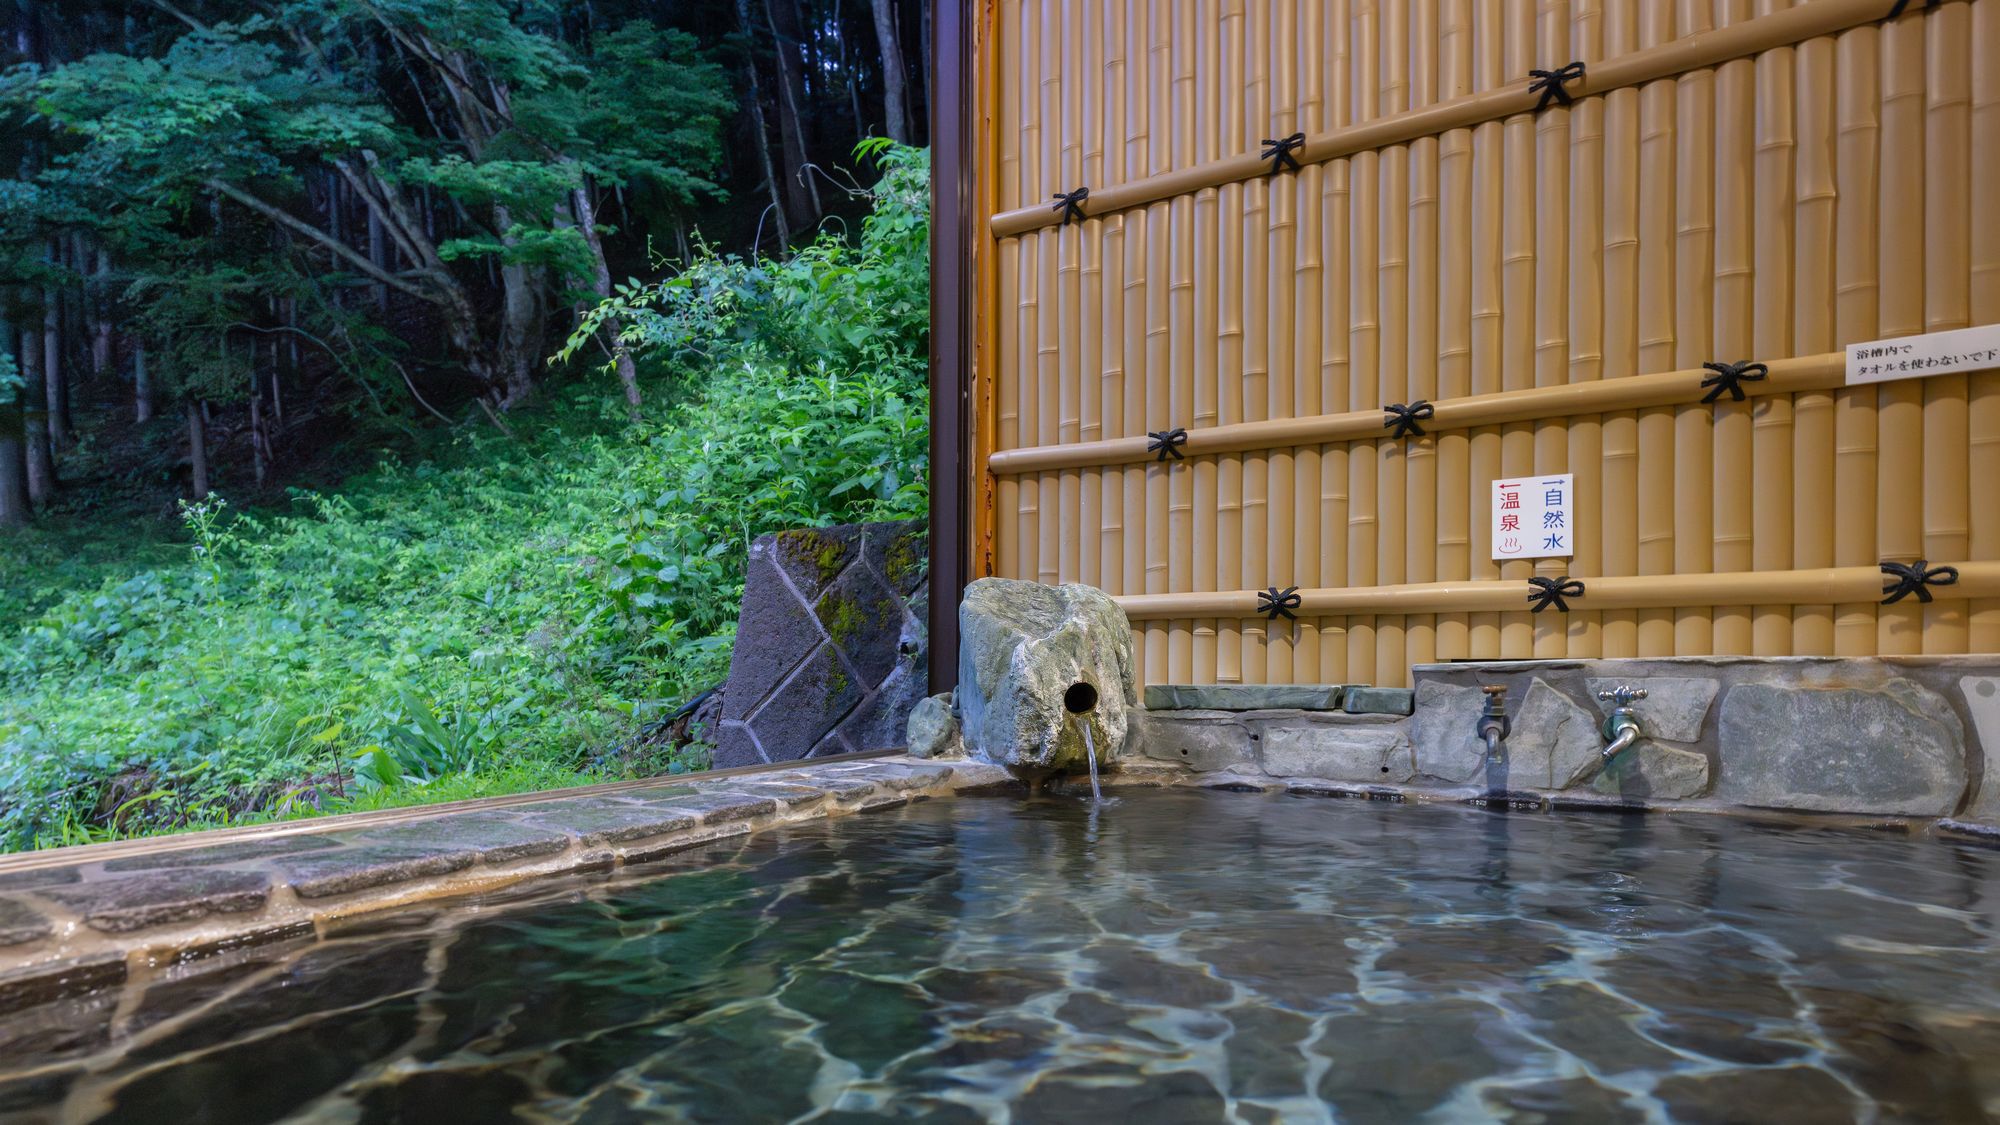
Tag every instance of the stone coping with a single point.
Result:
(81, 919)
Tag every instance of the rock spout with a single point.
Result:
(1037, 662)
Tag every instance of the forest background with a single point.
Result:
(389, 389)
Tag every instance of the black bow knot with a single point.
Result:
(1274, 603)
(1901, 4)
(1070, 203)
(1279, 152)
(1730, 377)
(1549, 84)
(1546, 592)
(1405, 418)
(1914, 578)
(1167, 443)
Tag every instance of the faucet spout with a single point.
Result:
(1621, 727)
(1494, 725)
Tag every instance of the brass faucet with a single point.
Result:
(1494, 725)
(1621, 727)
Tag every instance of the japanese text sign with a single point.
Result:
(1534, 517)
(1934, 353)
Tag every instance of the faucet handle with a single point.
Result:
(1623, 694)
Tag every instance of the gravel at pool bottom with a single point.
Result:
(1177, 956)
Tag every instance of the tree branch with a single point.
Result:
(299, 226)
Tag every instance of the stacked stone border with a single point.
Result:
(1914, 739)
(98, 916)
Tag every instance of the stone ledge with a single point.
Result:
(72, 928)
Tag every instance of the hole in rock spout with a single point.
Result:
(1080, 698)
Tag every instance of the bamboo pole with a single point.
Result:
(1823, 371)
(1983, 392)
(1454, 326)
(1769, 332)
(1364, 337)
(1120, 80)
(1657, 173)
(1138, 161)
(1176, 482)
(1069, 273)
(1549, 317)
(1977, 580)
(1281, 332)
(1483, 444)
(1584, 331)
(1899, 419)
(1947, 174)
(1392, 382)
(1208, 280)
(1096, 86)
(1335, 339)
(1856, 317)
(1733, 296)
(1420, 341)
(1813, 301)
(1229, 638)
(1694, 333)
(1518, 301)
(1255, 233)
(1028, 397)
(1159, 327)
(1619, 513)
(1306, 360)
(1678, 56)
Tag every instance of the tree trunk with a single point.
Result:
(55, 373)
(893, 104)
(585, 213)
(197, 450)
(801, 194)
(848, 75)
(142, 386)
(14, 509)
(102, 361)
(763, 131)
(41, 467)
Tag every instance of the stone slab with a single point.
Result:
(1336, 752)
(38, 984)
(21, 923)
(1554, 742)
(1648, 771)
(1243, 697)
(603, 820)
(39, 877)
(491, 837)
(136, 902)
(1447, 746)
(1203, 741)
(1377, 700)
(1674, 709)
(1893, 749)
(223, 854)
(1982, 703)
(324, 874)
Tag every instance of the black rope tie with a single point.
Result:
(1405, 418)
(1549, 84)
(1913, 578)
(1070, 203)
(1167, 443)
(1275, 603)
(1548, 592)
(1901, 4)
(1279, 152)
(1730, 377)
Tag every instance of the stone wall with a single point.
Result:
(1884, 736)
(831, 646)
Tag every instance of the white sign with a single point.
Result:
(1935, 353)
(1534, 517)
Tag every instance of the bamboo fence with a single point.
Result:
(1764, 180)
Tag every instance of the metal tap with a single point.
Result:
(1494, 725)
(1621, 727)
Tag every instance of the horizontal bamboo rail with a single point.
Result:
(1632, 392)
(1694, 52)
(1823, 585)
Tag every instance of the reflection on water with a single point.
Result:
(1180, 956)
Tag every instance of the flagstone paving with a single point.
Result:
(61, 926)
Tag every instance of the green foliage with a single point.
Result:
(504, 615)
